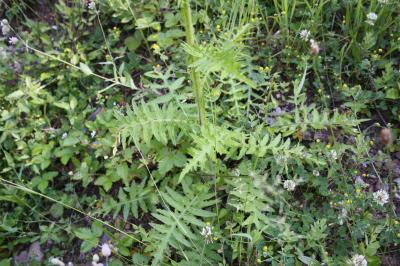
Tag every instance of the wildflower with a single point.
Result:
(333, 154)
(91, 5)
(5, 27)
(13, 40)
(56, 261)
(265, 248)
(95, 258)
(106, 250)
(371, 18)
(289, 185)
(206, 232)
(315, 172)
(305, 35)
(93, 133)
(342, 216)
(156, 48)
(64, 135)
(359, 260)
(381, 197)
(314, 47)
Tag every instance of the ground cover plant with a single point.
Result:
(203, 132)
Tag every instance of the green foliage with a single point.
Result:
(100, 140)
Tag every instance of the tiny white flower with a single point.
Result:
(305, 35)
(96, 258)
(5, 27)
(105, 157)
(56, 262)
(315, 172)
(13, 40)
(381, 197)
(206, 232)
(359, 260)
(342, 216)
(105, 250)
(64, 135)
(289, 185)
(333, 154)
(93, 133)
(92, 5)
(371, 18)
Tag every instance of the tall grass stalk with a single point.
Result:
(195, 76)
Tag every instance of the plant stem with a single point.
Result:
(195, 76)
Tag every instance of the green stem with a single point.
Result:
(195, 76)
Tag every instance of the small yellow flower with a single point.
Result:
(261, 69)
(208, 223)
(398, 235)
(349, 202)
(265, 248)
(319, 90)
(355, 172)
(259, 261)
(364, 174)
(156, 47)
(380, 50)
(371, 142)
(328, 146)
(396, 222)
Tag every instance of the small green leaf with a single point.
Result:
(85, 69)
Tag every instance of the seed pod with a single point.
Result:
(386, 136)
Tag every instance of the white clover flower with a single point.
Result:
(371, 18)
(381, 197)
(92, 5)
(95, 258)
(333, 154)
(93, 133)
(289, 185)
(106, 250)
(315, 172)
(13, 40)
(5, 27)
(359, 260)
(56, 262)
(64, 135)
(206, 232)
(305, 35)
